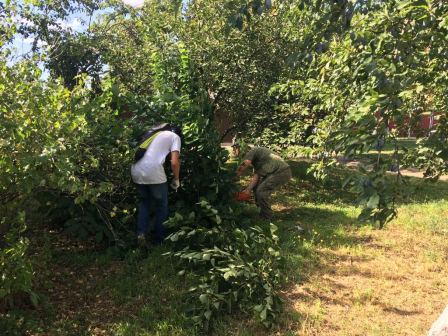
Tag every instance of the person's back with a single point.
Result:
(265, 161)
(149, 169)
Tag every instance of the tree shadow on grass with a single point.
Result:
(315, 220)
(308, 235)
(90, 291)
(418, 190)
(306, 230)
(153, 294)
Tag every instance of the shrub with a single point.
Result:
(16, 272)
(236, 262)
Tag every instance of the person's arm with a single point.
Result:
(175, 164)
(252, 184)
(243, 167)
(175, 160)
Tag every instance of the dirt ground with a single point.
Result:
(396, 284)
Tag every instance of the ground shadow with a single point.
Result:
(87, 291)
(305, 231)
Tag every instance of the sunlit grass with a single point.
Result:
(370, 280)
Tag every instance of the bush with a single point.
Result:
(236, 264)
(16, 272)
(70, 151)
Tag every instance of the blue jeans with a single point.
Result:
(157, 193)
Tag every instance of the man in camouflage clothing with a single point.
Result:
(270, 173)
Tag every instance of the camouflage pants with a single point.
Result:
(266, 186)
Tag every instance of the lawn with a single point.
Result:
(352, 279)
(341, 277)
(388, 150)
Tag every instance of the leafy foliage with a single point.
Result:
(63, 150)
(56, 141)
(325, 79)
(431, 155)
(16, 269)
(368, 76)
(69, 53)
(237, 263)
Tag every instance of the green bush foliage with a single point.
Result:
(60, 145)
(310, 77)
(236, 262)
(16, 271)
(71, 150)
(66, 152)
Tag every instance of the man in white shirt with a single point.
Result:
(149, 175)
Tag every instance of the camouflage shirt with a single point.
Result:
(265, 161)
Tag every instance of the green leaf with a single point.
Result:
(206, 256)
(208, 314)
(273, 252)
(258, 308)
(373, 201)
(346, 182)
(34, 299)
(204, 299)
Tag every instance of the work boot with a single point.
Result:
(141, 241)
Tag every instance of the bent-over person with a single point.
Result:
(270, 173)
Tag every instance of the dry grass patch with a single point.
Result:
(396, 284)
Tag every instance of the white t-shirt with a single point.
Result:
(149, 169)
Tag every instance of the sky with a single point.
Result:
(76, 21)
(134, 3)
(23, 45)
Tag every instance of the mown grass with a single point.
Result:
(354, 279)
(106, 293)
(388, 150)
(341, 277)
